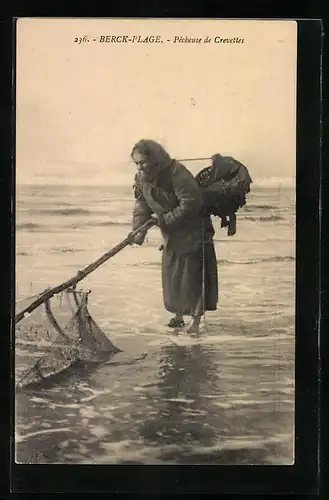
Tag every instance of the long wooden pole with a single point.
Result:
(47, 294)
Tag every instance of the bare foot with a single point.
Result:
(177, 321)
(194, 327)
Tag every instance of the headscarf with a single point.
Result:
(155, 153)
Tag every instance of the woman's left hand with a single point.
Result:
(156, 218)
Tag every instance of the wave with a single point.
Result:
(30, 226)
(287, 258)
(66, 250)
(277, 258)
(108, 223)
(266, 218)
(144, 263)
(40, 228)
(251, 208)
(264, 240)
(69, 211)
(276, 182)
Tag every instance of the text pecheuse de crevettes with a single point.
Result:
(154, 39)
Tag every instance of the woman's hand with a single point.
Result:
(138, 239)
(160, 222)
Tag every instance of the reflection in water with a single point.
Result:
(196, 421)
(183, 414)
(185, 404)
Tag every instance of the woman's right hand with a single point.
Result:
(138, 239)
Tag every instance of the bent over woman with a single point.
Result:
(165, 187)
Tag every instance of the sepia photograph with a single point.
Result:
(155, 241)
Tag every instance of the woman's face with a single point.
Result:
(141, 161)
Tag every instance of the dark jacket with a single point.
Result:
(173, 194)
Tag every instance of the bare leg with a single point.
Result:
(193, 327)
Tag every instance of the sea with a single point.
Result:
(226, 397)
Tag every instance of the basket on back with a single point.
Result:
(56, 336)
(224, 184)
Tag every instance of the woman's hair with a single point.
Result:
(154, 152)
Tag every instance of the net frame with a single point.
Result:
(81, 340)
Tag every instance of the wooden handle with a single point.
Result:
(47, 294)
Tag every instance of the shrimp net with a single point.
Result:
(57, 335)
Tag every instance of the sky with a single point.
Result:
(80, 108)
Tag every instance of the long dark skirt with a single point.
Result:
(182, 281)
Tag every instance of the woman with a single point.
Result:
(164, 187)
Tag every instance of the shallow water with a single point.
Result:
(227, 397)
